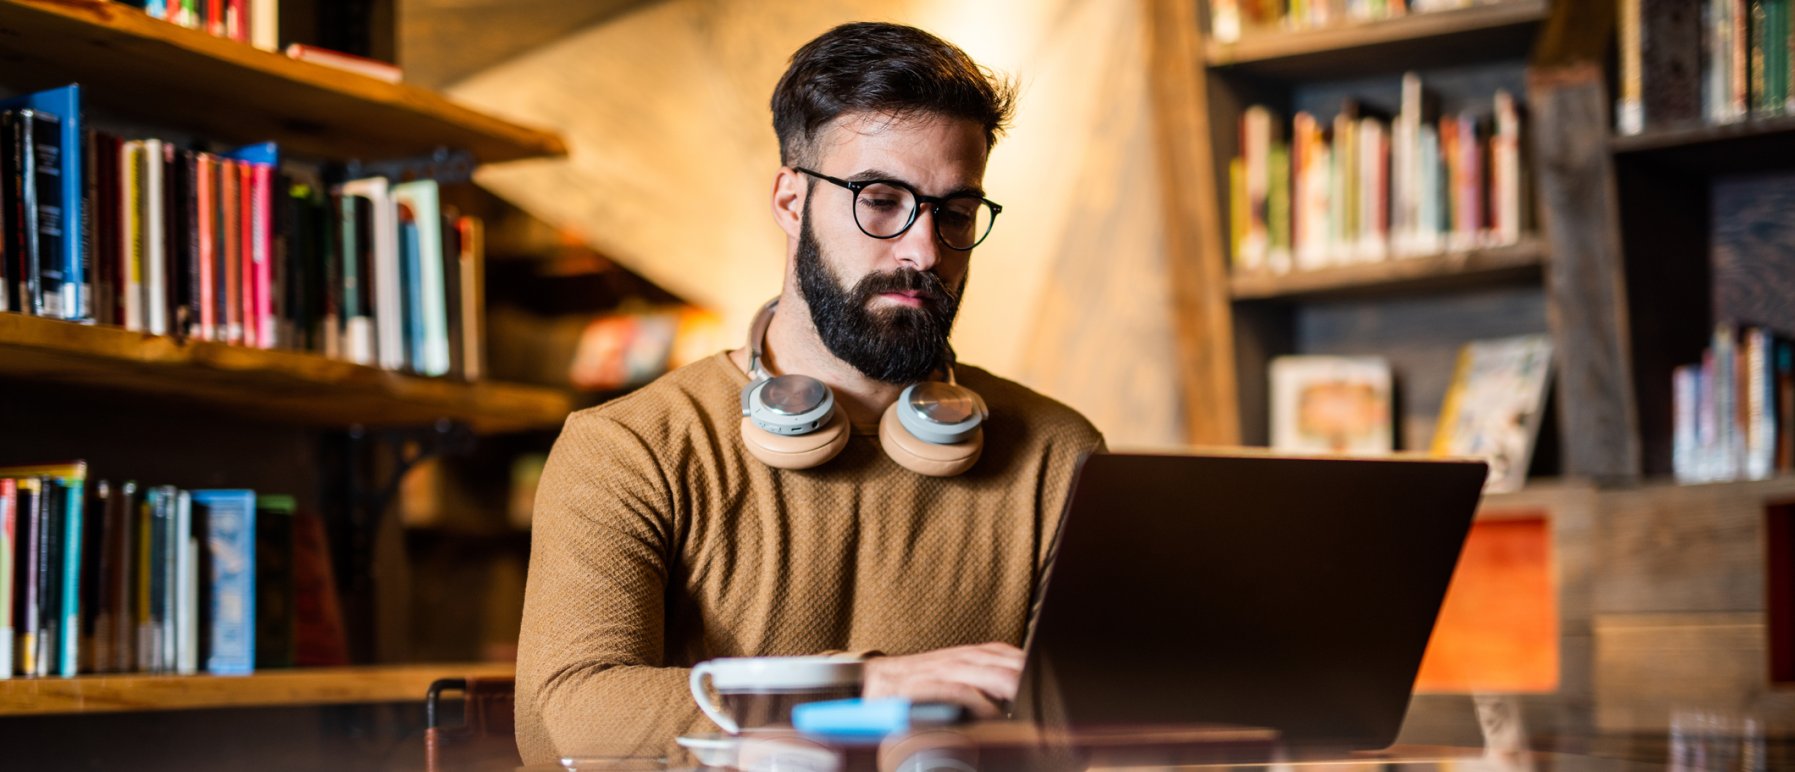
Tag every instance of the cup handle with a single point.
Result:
(703, 698)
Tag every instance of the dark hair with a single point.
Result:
(891, 68)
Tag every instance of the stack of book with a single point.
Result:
(1734, 412)
(234, 247)
(1718, 61)
(1370, 187)
(1229, 17)
(256, 22)
(98, 577)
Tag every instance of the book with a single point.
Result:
(1661, 64)
(131, 228)
(320, 639)
(419, 201)
(387, 293)
(1494, 406)
(9, 503)
(230, 525)
(155, 239)
(359, 65)
(471, 241)
(59, 210)
(275, 618)
(1330, 404)
(264, 24)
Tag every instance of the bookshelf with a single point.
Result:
(1420, 308)
(199, 414)
(273, 688)
(1416, 40)
(296, 387)
(1520, 262)
(160, 72)
(1764, 144)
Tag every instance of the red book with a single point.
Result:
(263, 232)
(215, 17)
(9, 507)
(236, 20)
(246, 218)
(232, 280)
(207, 223)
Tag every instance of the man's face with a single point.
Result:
(886, 306)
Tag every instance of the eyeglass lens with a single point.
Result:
(883, 211)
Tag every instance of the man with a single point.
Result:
(659, 542)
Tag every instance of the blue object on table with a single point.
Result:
(853, 717)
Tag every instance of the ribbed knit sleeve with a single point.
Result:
(591, 679)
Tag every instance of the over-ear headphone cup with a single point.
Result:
(923, 457)
(801, 451)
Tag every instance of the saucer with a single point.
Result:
(713, 749)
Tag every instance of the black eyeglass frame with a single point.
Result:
(934, 203)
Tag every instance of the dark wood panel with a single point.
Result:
(1675, 549)
(1585, 281)
(1754, 250)
(1417, 40)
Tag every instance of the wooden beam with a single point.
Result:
(1585, 277)
(1193, 228)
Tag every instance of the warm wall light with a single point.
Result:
(1498, 630)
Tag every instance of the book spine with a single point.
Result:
(186, 600)
(473, 293)
(54, 289)
(131, 229)
(49, 574)
(74, 529)
(232, 225)
(264, 24)
(263, 225)
(31, 299)
(230, 529)
(124, 581)
(1629, 110)
(9, 508)
(155, 258)
(205, 224)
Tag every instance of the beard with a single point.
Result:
(894, 344)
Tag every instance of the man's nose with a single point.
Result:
(919, 247)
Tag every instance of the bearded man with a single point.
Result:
(663, 534)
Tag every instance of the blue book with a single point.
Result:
(230, 525)
(157, 9)
(414, 291)
(72, 301)
(76, 490)
(428, 314)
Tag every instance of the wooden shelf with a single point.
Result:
(1496, 30)
(1766, 144)
(273, 688)
(281, 386)
(163, 73)
(1398, 275)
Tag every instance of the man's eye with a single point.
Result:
(880, 204)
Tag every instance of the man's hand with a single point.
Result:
(979, 677)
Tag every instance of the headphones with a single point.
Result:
(791, 421)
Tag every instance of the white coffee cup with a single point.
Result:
(761, 691)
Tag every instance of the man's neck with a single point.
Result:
(794, 346)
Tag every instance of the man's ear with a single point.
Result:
(789, 190)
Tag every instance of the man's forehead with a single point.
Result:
(917, 144)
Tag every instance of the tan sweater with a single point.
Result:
(659, 542)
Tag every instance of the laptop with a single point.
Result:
(1296, 594)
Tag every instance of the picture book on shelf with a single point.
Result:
(1494, 406)
(1329, 404)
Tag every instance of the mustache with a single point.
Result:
(928, 285)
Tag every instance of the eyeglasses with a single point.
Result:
(885, 209)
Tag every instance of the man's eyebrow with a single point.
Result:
(873, 175)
